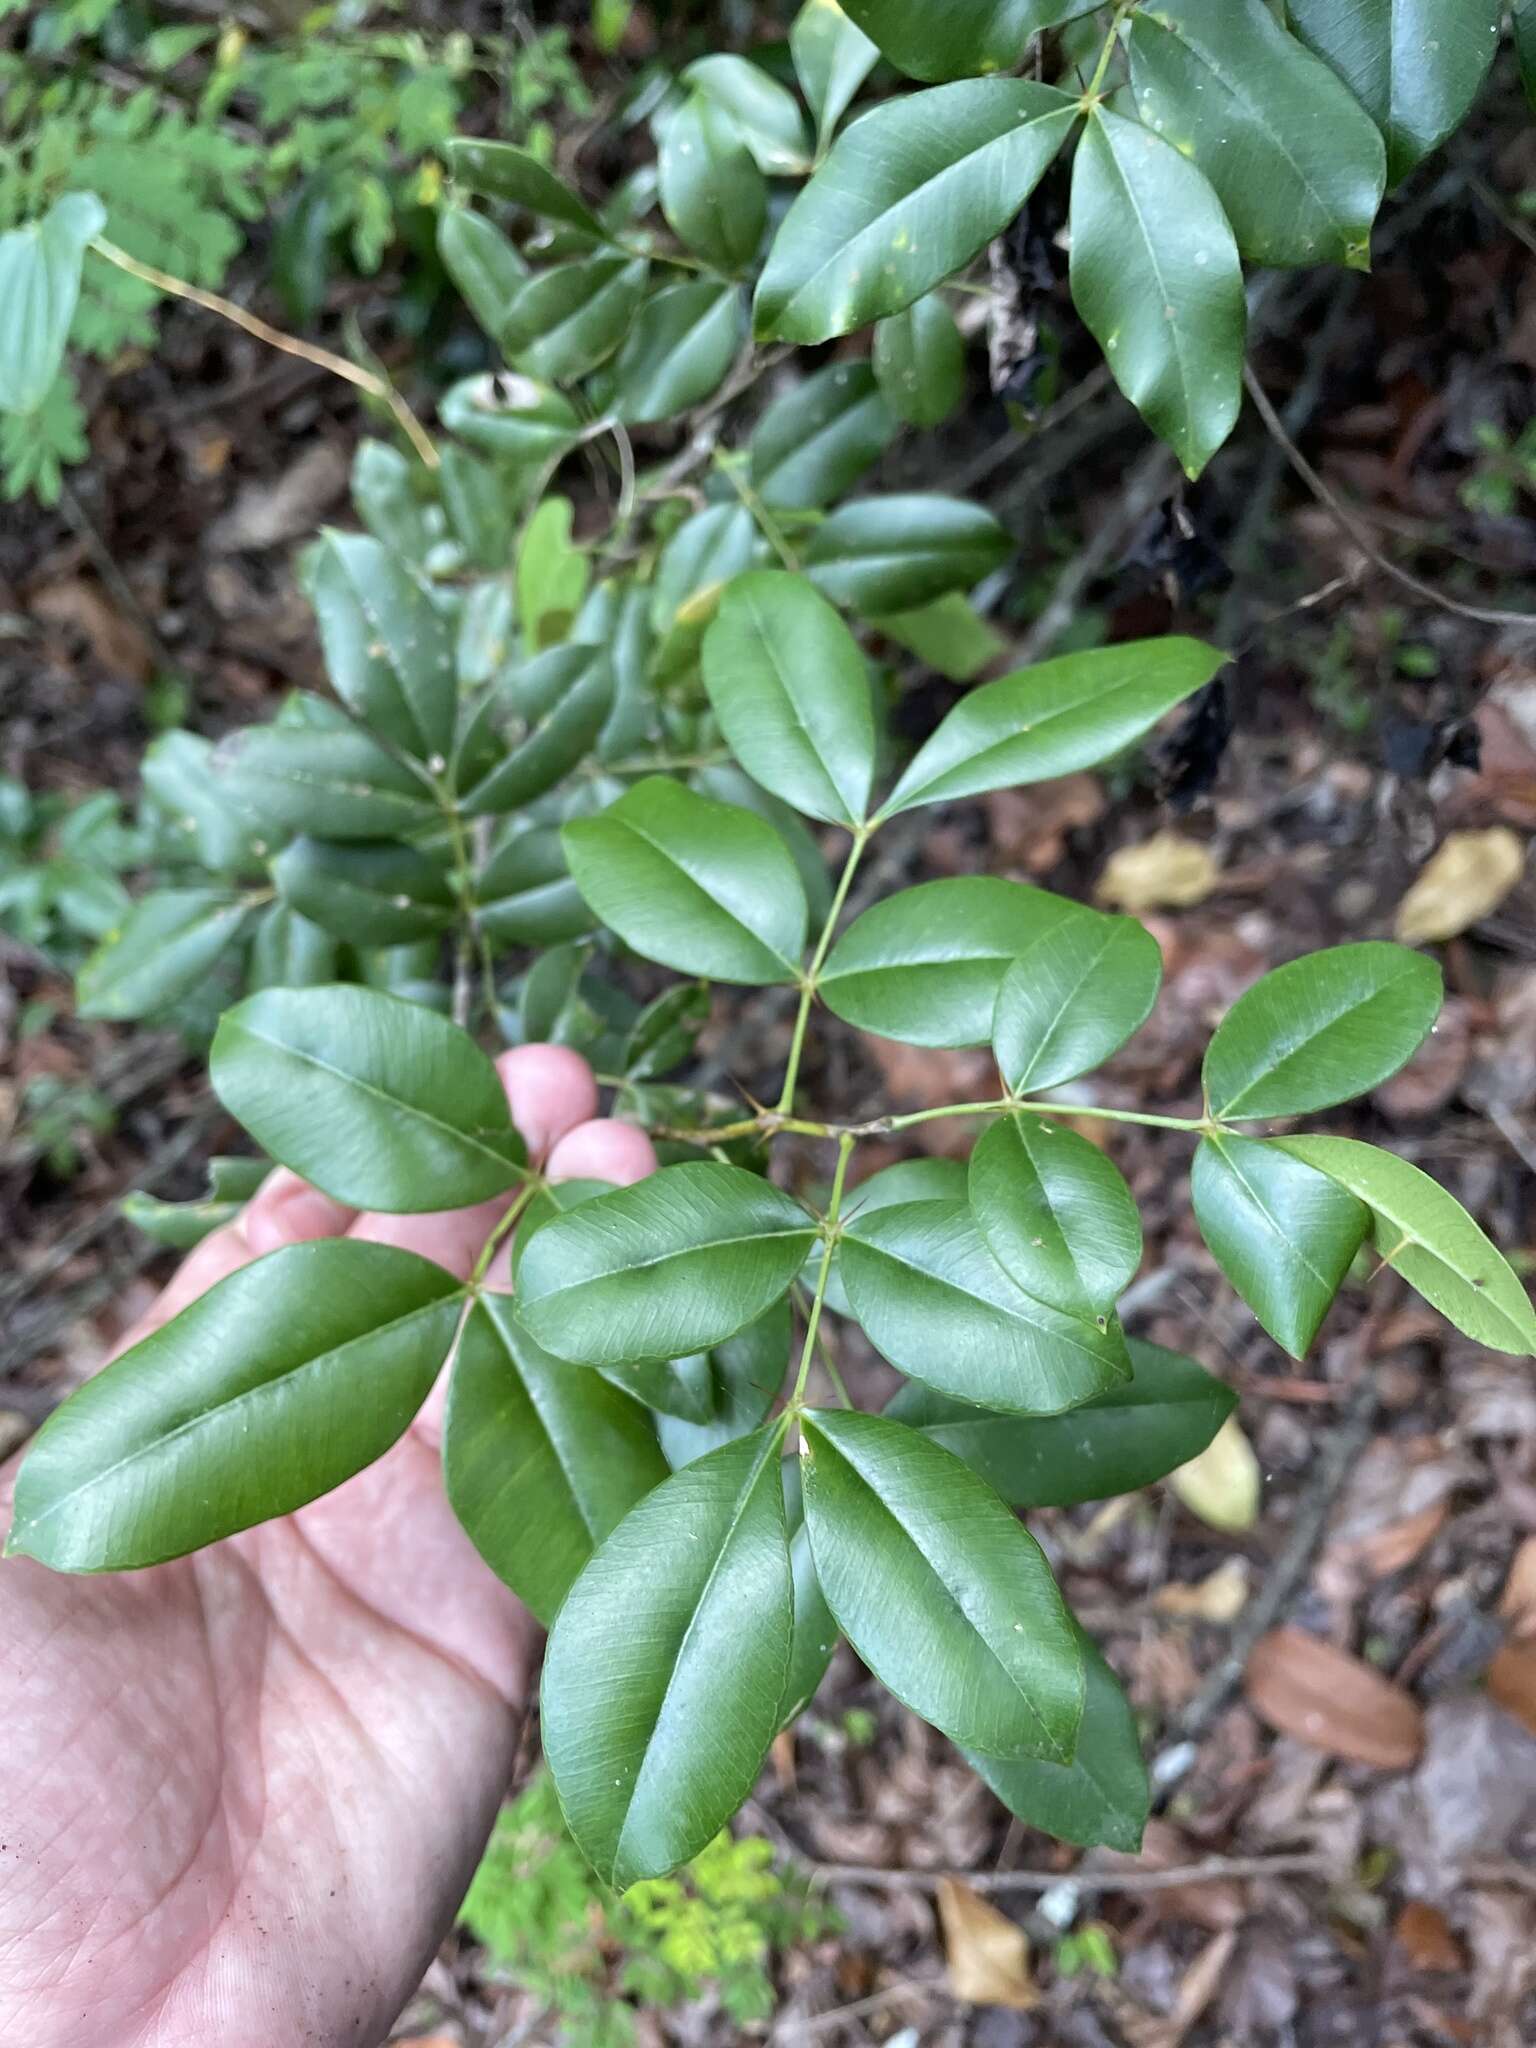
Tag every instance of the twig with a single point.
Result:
(824, 2022)
(339, 366)
(1209, 1870)
(1353, 525)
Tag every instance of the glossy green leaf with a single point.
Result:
(729, 784)
(919, 361)
(701, 886)
(1426, 1235)
(179, 778)
(963, 37)
(746, 1373)
(1297, 164)
(243, 1407)
(1122, 1440)
(480, 502)
(763, 111)
(564, 321)
(682, 1388)
(540, 1463)
(907, 196)
(832, 57)
(654, 1736)
(890, 553)
(483, 264)
(40, 265)
(387, 498)
(678, 350)
(934, 1301)
(1055, 718)
(378, 1101)
(1414, 65)
(1156, 277)
(909, 1180)
(287, 951)
(817, 438)
(1056, 1214)
(524, 895)
(665, 1031)
(552, 576)
(945, 1595)
(675, 1264)
(1102, 1796)
(706, 551)
(788, 684)
(296, 776)
(713, 194)
(946, 634)
(556, 706)
(499, 170)
(163, 950)
(511, 415)
(1072, 998)
(379, 895)
(388, 648)
(813, 1636)
(926, 964)
(1321, 1029)
(1283, 1234)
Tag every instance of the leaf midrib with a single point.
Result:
(1297, 1045)
(713, 902)
(1175, 325)
(713, 1244)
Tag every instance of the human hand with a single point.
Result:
(241, 1794)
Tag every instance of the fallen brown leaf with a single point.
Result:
(1399, 1543)
(1324, 1697)
(80, 606)
(1167, 871)
(1219, 1597)
(1424, 1935)
(1517, 1602)
(988, 1954)
(1467, 878)
(1512, 1681)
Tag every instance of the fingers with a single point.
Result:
(287, 1210)
(601, 1149)
(551, 1090)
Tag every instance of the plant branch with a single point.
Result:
(1209, 1870)
(325, 359)
(818, 960)
(813, 1320)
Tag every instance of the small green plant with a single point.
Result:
(549, 759)
(582, 1952)
(1506, 471)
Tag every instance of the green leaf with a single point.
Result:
(1523, 23)
(1321, 1029)
(934, 1301)
(511, 415)
(746, 1373)
(179, 778)
(909, 1180)
(1056, 1214)
(678, 350)
(947, 634)
(1296, 163)
(890, 553)
(1072, 998)
(832, 57)
(293, 776)
(163, 950)
(944, 1595)
(817, 438)
(1102, 1796)
(1283, 1234)
(1156, 277)
(563, 322)
(907, 196)
(706, 551)
(1122, 1440)
(540, 1463)
(763, 111)
(386, 493)
(701, 886)
(788, 684)
(559, 702)
(289, 952)
(483, 264)
(524, 895)
(961, 38)
(552, 575)
(1414, 65)
(919, 361)
(243, 1407)
(713, 194)
(1426, 1235)
(181, 1225)
(926, 964)
(677, 1263)
(498, 170)
(729, 784)
(40, 267)
(479, 502)
(388, 649)
(683, 1388)
(813, 1636)
(381, 1103)
(655, 1737)
(381, 895)
(1055, 718)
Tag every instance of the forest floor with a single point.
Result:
(1376, 1889)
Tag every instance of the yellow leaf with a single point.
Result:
(1467, 878)
(988, 1953)
(1164, 872)
(1220, 1597)
(1221, 1486)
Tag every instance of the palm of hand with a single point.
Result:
(242, 1793)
